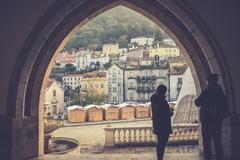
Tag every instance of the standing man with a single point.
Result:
(213, 108)
(161, 118)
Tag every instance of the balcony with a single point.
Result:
(143, 78)
(145, 89)
(131, 88)
(131, 77)
(126, 136)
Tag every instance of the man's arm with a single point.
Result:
(201, 100)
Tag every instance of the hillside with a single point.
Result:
(117, 25)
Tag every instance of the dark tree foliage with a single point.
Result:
(69, 68)
(117, 25)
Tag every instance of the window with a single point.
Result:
(114, 89)
(131, 84)
(114, 71)
(114, 99)
(131, 96)
(96, 85)
(109, 89)
(54, 109)
(102, 85)
(180, 80)
(119, 89)
(114, 79)
(54, 93)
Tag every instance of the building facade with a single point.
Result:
(164, 51)
(72, 80)
(169, 42)
(94, 82)
(141, 83)
(103, 59)
(115, 82)
(54, 99)
(110, 48)
(66, 58)
(142, 41)
(176, 79)
(83, 60)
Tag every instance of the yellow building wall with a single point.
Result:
(164, 52)
(110, 49)
(96, 85)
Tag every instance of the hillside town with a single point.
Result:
(114, 75)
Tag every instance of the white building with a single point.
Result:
(141, 83)
(142, 41)
(83, 60)
(115, 82)
(169, 42)
(72, 80)
(176, 79)
(53, 99)
(103, 59)
(188, 86)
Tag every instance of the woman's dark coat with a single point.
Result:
(161, 115)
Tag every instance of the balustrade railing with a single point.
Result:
(52, 126)
(120, 136)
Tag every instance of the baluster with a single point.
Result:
(125, 135)
(140, 135)
(121, 135)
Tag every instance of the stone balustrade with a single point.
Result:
(52, 126)
(127, 136)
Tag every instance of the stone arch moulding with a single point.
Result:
(57, 25)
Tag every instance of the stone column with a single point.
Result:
(109, 136)
(47, 138)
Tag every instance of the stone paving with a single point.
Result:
(131, 153)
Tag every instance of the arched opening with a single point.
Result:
(176, 19)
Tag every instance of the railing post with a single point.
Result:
(109, 136)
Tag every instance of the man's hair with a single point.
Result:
(161, 90)
(212, 78)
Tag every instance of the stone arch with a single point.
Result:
(57, 25)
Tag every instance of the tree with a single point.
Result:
(158, 36)
(97, 65)
(69, 67)
(107, 65)
(117, 25)
(90, 97)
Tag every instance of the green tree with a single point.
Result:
(119, 24)
(69, 67)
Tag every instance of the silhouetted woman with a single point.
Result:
(161, 118)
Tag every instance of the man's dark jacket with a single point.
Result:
(161, 116)
(212, 96)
